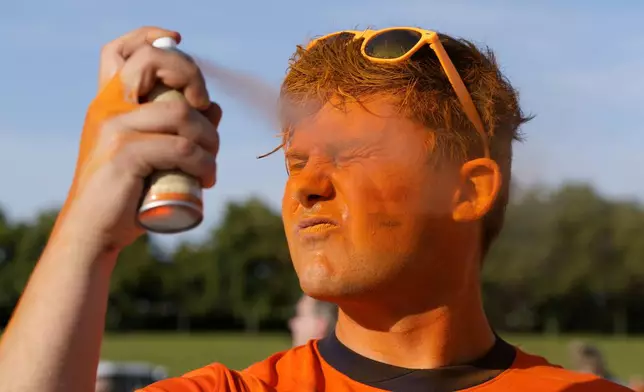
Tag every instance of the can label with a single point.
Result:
(173, 182)
(172, 203)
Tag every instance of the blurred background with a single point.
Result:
(565, 280)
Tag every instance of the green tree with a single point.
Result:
(195, 282)
(31, 240)
(257, 275)
(136, 285)
(625, 275)
(515, 258)
(9, 240)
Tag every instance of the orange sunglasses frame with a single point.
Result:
(432, 39)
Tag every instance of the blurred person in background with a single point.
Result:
(313, 320)
(104, 385)
(587, 358)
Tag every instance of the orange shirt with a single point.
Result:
(307, 369)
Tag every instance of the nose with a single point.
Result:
(314, 185)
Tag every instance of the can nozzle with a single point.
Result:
(165, 43)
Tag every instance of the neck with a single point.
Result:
(456, 332)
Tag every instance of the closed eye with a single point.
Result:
(357, 153)
(296, 160)
(297, 165)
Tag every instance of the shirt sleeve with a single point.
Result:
(212, 378)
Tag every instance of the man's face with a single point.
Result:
(362, 205)
(307, 324)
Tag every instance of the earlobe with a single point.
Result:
(480, 185)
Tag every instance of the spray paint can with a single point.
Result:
(173, 200)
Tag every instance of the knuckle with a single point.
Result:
(108, 48)
(111, 128)
(123, 159)
(193, 71)
(113, 137)
(179, 109)
(144, 54)
(121, 153)
(116, 141)
(184, 147)
(186, 60)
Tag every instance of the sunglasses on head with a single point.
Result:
(397, 44)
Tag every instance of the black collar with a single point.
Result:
(392, 378)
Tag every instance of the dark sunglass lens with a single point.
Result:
(392, 44)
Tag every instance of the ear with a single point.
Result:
(480, 182)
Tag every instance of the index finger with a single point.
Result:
(114, 54)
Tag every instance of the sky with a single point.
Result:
(577, 65)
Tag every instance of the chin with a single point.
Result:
(324, 280)
(334, 289)
(318, 278)
(322, 290)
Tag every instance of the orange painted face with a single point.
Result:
(360, 199)
(364, 210)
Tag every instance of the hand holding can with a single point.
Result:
(134, 132)
(173, 200)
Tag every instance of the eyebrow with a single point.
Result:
(331, 149)
(295, 154)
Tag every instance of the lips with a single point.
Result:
(314, 223)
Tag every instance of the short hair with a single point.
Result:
(335, 71)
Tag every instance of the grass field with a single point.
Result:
(180, 353)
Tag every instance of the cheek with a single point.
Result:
(380, 196)
(384, 206)
(289, 203)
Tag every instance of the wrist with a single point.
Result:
(88, 246)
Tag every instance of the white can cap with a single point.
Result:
(165, 43)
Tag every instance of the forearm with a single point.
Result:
(52, 343)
